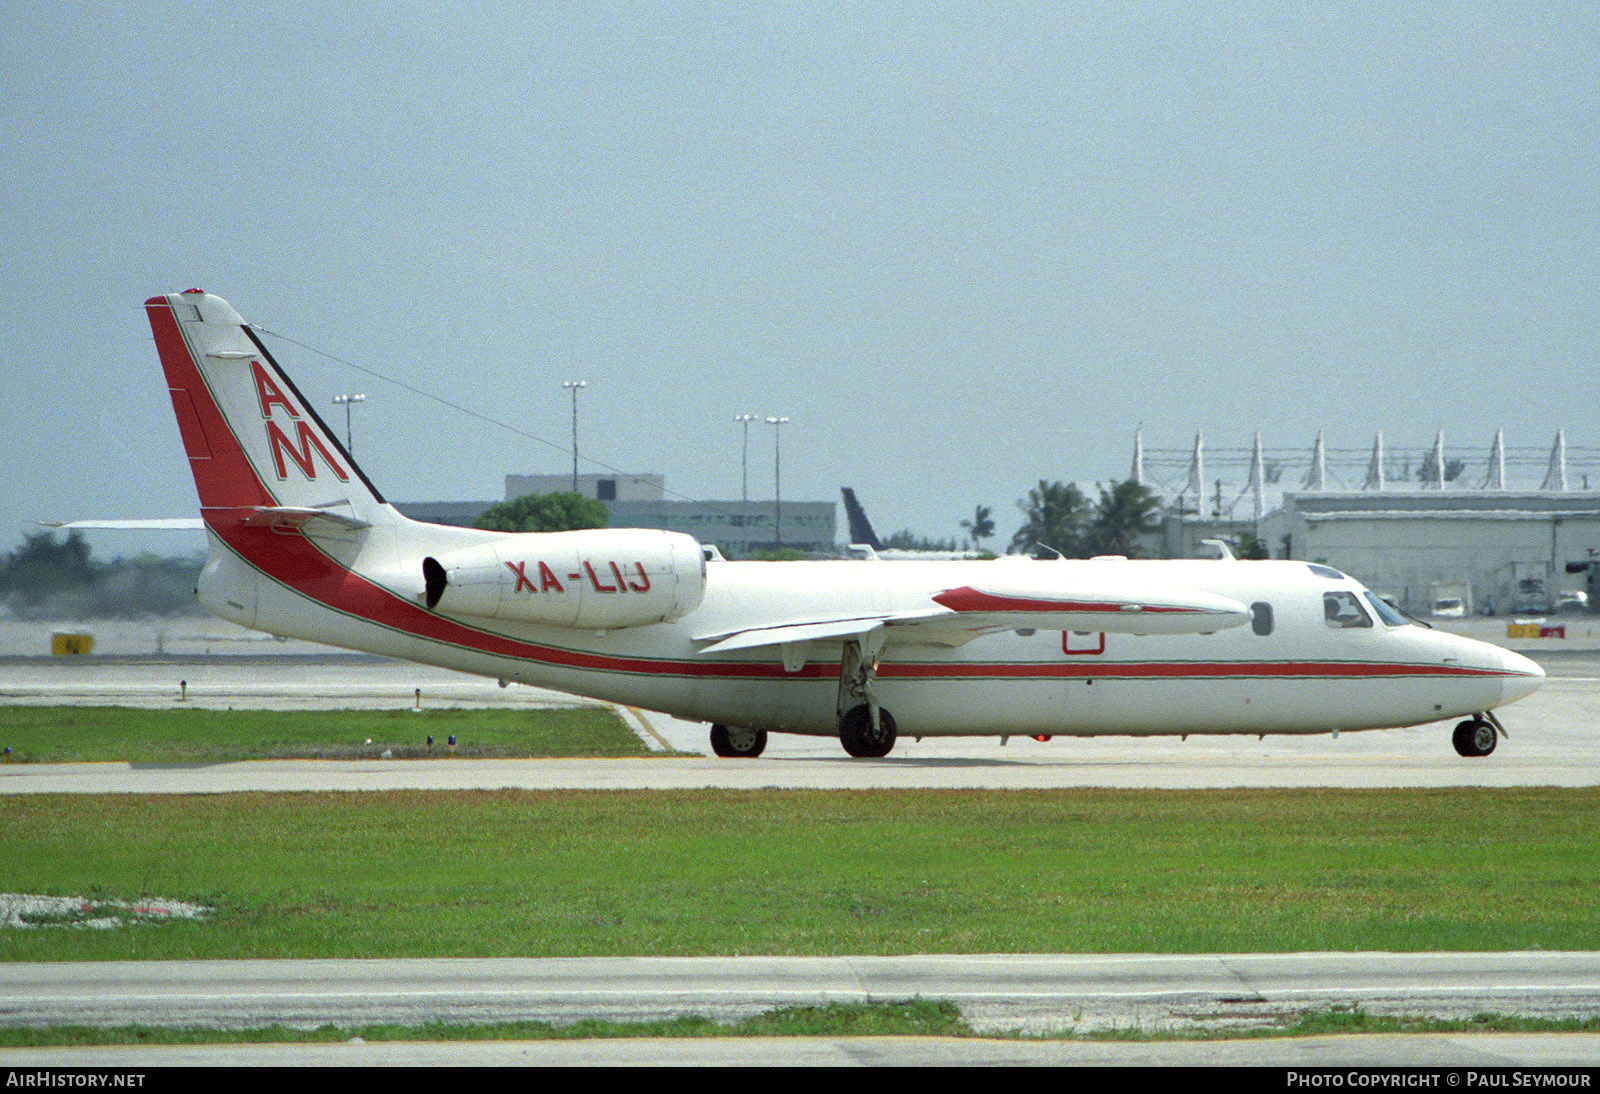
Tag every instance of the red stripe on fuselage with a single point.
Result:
(1188, 670)
(295, 562)
(299, 565)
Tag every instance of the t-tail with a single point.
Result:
(285, 508)
(303, 545)
(257, 449)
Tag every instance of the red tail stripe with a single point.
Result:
(225, 479)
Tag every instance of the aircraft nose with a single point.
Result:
(1522, 676)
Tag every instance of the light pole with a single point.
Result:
(745, 419)
(777, 479)
(573, 386)
(346, 400)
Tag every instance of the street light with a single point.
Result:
(573, 386)
(777, 479)
(746, 419)
(346, 400)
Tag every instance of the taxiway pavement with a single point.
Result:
(997, 993)
(1552, 740)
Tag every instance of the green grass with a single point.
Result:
(522, 873)
(1337, 1020)
(194, 735)
(912, 1018)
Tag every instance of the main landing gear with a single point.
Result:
(737, 741)
(865, 728)
(861, 738)
(1478, 735)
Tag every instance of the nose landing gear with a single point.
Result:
(737, 741)
(1478, 736)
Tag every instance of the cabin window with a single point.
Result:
(1261, 617)
(1343, 610)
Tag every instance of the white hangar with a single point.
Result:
(1434, 533)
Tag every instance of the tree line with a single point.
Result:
(50, 579)
(1060, 519)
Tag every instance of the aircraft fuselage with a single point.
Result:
(1300, 676)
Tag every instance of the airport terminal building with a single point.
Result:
(736, 528)
(1498, 552)
(1434, 533)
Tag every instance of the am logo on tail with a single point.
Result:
(301, 544)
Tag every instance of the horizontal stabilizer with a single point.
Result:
(283, 518)
(163, 524)
(289, 518)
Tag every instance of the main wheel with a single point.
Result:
(737, 741)
(855, 732)
(1475, 737)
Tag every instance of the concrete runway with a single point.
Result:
(1483, 1056)
(998, 994)
(1552, 742)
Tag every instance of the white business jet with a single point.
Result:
(303, 545)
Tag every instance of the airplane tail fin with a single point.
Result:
(860, 527)
(258, 450)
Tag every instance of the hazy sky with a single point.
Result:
(963, 247)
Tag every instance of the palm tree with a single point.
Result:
(1057, 518)
(1126, 511)
(980, 527)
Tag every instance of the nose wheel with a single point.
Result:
(1475, 737)
(734, 741)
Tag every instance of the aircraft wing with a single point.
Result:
(1106, 607)
(811, 630)
(956, 616)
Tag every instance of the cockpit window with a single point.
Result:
(1325, 571)
(1342, 609)
(1386, 611)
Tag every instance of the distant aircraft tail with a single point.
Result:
(257, 449)
(860, 527)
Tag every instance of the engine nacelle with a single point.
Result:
(598, 580)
